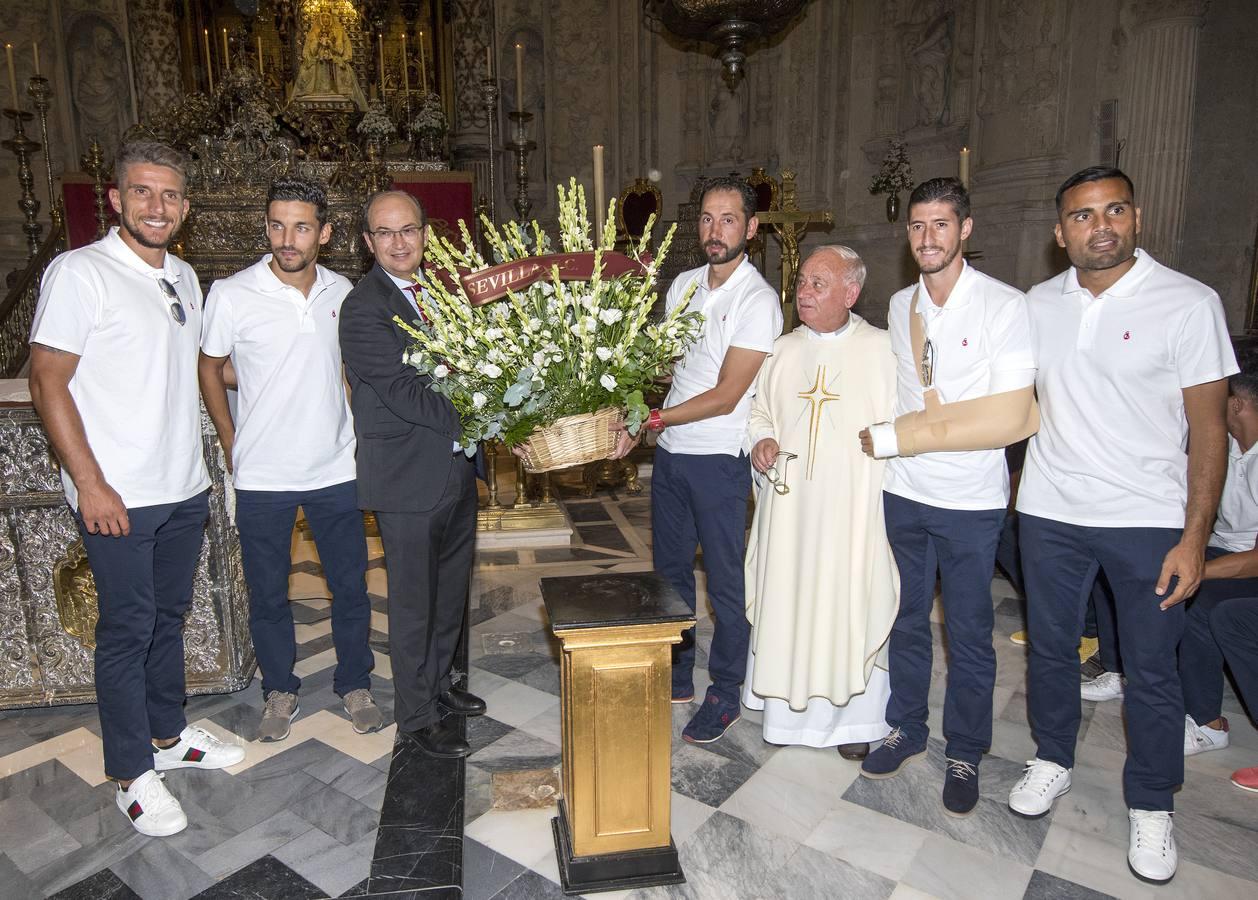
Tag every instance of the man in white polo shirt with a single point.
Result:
(292, 444)
(114, 379)
(702, 475)
(1133, 361)
(945, 509)
(1229, 567)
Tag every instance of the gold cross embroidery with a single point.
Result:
(817, 395)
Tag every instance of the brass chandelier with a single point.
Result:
(729, 24)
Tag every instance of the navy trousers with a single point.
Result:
(961, 546)
(1235, 625)
(1060, 563)
(143, 589)
(1200, 656)
(265, 522)
(701, 499)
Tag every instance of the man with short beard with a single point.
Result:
(1123, 479)
(945, 505)
(114, 379)
(702, 474)
(291, 444)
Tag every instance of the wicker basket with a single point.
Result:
(572, 441)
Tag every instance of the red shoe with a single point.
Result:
(1246, 779)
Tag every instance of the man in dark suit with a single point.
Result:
(421, 488)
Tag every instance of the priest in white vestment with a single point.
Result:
(822, 588)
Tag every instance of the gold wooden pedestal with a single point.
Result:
(616, 632)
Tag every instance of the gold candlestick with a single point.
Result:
(23, 147)
(93, 163)
(41, 95)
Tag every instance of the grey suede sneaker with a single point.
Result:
(277, 716)
(363, 712)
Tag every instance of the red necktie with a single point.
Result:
(414, 290)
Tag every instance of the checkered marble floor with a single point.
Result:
(302, 819)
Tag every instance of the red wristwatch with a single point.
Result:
(655, 422)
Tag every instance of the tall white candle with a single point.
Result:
(519, 77)
(8, 52)
(963, 167)
(209, 60)
(423, 64)
(35, 47)
(406, 75)
(598, 193)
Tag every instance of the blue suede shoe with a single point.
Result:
(892, 756)
(960, 791)
(712, 720)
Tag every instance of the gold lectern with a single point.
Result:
(616, 632)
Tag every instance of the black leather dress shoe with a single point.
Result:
(853, 751)
(440, 740)
(461, 702)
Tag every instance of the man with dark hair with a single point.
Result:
(113, 376)
(1132, 361)
(291, 444)
(1089, 175)
(1228, 572)
(964, 376)
(412, 473)
(702, 475)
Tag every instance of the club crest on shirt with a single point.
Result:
(965, 342)
(1126, 335)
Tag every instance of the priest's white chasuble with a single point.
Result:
(822, 587)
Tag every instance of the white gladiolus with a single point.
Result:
(478, 399)
(493, 334)
(603, 353)
(611, 316)
(608, 382)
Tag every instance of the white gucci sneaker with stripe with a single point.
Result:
(197, 748)
(150, 807)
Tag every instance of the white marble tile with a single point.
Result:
(79, 750)
(775, 804)
(516, 703)
(547, 725)
(819, 769)
(519, 834)
(905, 892)
(1093, 862)
(871, 840)
(955, 871)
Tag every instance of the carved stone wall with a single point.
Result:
(155, 55)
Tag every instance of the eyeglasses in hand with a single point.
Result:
(777, 476)
(176, 308)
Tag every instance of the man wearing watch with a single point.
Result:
(702, 474)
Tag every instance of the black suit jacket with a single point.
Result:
(405, 431)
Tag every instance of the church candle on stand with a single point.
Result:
(963, 167)
(380, 51)
(406, 75)
(226, 65)
(259, 54)
(489, 62)
(423, 67)
(209, 61)
(35, 47)
(519, 78)
(598, 193)
(8, 52)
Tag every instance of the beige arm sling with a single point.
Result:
(984, 423)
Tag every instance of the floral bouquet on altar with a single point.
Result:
(543, 349)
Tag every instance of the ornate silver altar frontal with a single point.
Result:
(46, 639)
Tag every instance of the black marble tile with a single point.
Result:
(337, 814)
(419, 844)
(544, 678)
(307, 567)
(594, 601)
(483, 731)
(485, 871)
(512, 665)
(265, 878)
(530, 886)
(587, 511)
(358, 890)
(1049, 887)
(104, 885)
(493, 558)
(314, 645)
(304, 614)
(609, 536)
(15, 885)
(376, 563)
(574, 554)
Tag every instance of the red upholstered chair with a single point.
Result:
(638, 202)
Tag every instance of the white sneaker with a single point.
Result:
(1106, 686)
(1041, 783)
(1200, 738)
(198, 748)
(150, 807)
(1151, 852)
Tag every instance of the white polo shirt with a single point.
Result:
(743, 312)
(136, 382)
(293, 426)
(1236, 526)
(982, 346)
(1112, 446)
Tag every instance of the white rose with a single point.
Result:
(539, 359)
(493, 333)
(441, 371)
(478, 400)
(491, 370)
(603, 353)
(535, 323)
(608, 382)
(611, 316)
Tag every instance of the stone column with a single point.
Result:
(1157, 115)
(472, 23)
(155, 55)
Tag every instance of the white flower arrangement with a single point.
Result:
(375, 124)
(555, 348)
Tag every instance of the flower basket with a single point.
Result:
(544, 350)
(571, 441)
